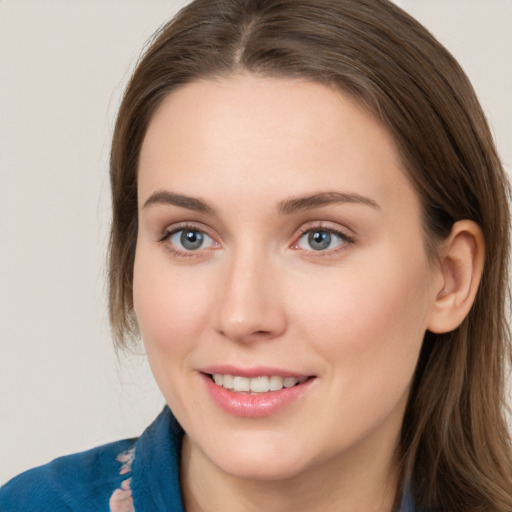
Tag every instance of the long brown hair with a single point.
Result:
(455, 450)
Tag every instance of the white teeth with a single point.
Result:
(228, 381)
(289, 382)
(276, 383)
(241, 383)
(261, 384)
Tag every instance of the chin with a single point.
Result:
(268, 470)
(259, 459)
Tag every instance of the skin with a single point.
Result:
(256, 293)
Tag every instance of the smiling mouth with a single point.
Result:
(255, 385)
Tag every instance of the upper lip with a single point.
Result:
(253, 371)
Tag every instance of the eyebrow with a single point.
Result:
(312, 201)
(164, 197)
(286, 207)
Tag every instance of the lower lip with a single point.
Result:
(257, 405)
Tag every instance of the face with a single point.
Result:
(281, 282)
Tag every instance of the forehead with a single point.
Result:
(254, 134)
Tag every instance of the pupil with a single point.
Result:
(319, 240)
(191, 239)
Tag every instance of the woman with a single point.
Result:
(310, 234)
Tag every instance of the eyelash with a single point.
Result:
(165, 240)
(340, 235)
(344, 238)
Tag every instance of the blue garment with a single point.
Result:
(147, 468)
(85, 482)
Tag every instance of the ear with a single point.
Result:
(461, 263)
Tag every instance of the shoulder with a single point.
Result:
(83, 482)
(141, 473)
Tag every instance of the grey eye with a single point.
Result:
(320, 240)
(190, 239)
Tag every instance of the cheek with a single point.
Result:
(169, 304)
(370, 324)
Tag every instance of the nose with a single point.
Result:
(250, 305)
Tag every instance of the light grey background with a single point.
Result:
(62, 71)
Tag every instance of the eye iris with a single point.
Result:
(191, 239)
(319, 240)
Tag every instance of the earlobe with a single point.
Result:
(460, 265)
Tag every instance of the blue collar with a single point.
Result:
(155, 472)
